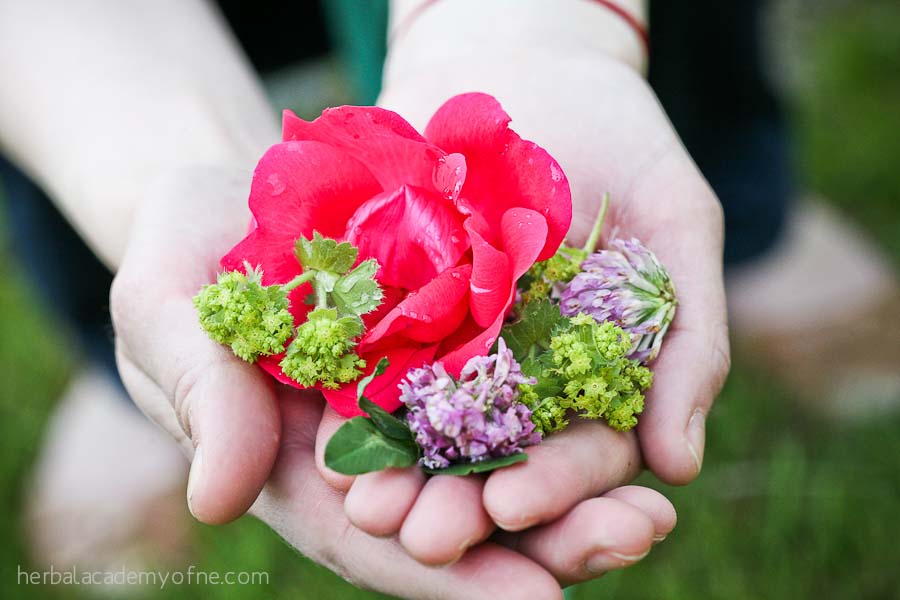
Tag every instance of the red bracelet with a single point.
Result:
(410, 18)
(630, 19)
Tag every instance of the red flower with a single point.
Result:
(454, 218)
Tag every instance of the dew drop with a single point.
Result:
(555, 173)
(277, 186)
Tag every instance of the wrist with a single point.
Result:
(428, 32)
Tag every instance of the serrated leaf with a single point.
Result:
(532, 331)
(325, 254)
(358, 447)
(357, 292)
(549, 383)
(480, 467)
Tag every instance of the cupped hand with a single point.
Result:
(253, 442)
(603, 124)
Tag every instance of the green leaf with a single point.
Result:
(549, 382)
(357, 292)
(379, 369)
(385, 422)
(359, 447)
(480, 467)
(325, 254)
(532, 332)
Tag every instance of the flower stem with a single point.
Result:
(321, 296)
(592, 240)
(299, 280)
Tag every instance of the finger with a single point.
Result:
(694, 360)
(225, 407)
(331, 422)
(585, 460)
(652, 503)
(598, 535)
(378, 502)
(309, 514)
(447, 518)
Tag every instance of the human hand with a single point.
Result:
(253, 441)
(601, 121)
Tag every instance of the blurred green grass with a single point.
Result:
(788, 506)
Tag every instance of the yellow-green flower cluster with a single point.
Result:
(594, 378)
(323, 350)
(240, 312)
(255, 320)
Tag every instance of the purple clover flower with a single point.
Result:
(475, 418)
(625, 284)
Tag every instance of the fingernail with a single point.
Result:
(195, 475)
(607, 561)
(658, 538)
(695, 436)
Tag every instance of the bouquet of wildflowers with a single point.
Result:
(422, 283)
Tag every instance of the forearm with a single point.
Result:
(100, 98)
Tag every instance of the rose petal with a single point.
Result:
(383, 390)
(380, 139)
(450, 175)
(523, 233)
(491, 280)
(503, 170)
(428, 314)
(298, 187)
(413, 235)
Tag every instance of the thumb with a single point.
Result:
(223, 410)
(235, 427)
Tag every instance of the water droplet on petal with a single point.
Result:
(555, 173)
(277, 186)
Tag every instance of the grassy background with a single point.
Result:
(788, 506)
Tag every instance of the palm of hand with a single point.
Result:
(660, 198)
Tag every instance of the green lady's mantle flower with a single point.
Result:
(240, 312)
(255, 321)
(322, 352)
(587, 372)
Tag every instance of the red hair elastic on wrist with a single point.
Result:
(630, 19)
